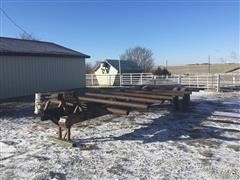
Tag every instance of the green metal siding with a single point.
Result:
(26, 75)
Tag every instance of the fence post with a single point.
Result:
(218, 83)
(188, 80)
(110, 81)
(167, 79)
(197, 81)
(179, 79)
(120, 79)
(141, 80)
(207, 82)
(92, 79)
(234, 81)
(131, 78)
(154, 80)
(212, 81)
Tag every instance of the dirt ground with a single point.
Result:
(203, 143)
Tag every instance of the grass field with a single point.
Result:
(202, 68)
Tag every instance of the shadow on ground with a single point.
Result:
(17, 107)
(173, 126)
(180, 126)
(14, 110)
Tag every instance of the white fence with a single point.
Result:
(126, 79)
(208, 81)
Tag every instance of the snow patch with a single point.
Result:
(226, 114)
(161, 144)
(6, 150)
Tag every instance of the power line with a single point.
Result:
(10, 19)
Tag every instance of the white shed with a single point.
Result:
(29, 66)
(107, 72)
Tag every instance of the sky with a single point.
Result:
(179, 32)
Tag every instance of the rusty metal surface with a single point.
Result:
(111, 102)
(66, 108)
(151, 96)
(122, 97)
(160, 92)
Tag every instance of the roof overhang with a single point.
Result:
(42, 54)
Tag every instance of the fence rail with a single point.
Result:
(208, 81)
(126, 79)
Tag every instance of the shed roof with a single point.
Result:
(13, 46)
(233, 69)
(127, 66)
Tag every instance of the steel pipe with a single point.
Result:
(122, 97)
(159, 97)
(160, 92)
(116, 103)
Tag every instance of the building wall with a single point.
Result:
(26, 75)
(106, 78)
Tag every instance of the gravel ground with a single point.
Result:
(203, 143)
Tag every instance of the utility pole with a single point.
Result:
(166, 64)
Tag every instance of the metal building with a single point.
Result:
(29, 66)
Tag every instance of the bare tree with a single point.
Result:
(89, 68)
(142, 56)
(27, 36)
